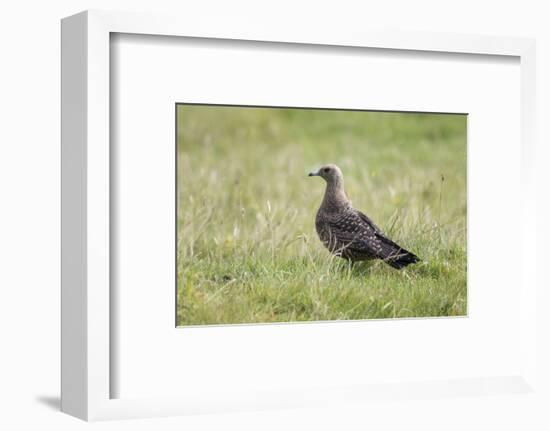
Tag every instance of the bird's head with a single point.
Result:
(330, 173)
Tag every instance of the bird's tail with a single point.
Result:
(401, 259)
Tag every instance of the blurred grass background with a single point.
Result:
(247, 250)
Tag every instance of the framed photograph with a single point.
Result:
(257, 244)
(269, 218)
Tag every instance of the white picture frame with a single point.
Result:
(87, 313)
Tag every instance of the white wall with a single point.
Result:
(29, 196)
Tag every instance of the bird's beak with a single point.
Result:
(313, 174)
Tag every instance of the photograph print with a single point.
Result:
(303, 215)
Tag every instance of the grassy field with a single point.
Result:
(247, 248)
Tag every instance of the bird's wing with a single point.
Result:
(357, 232)
(378, 232)
(395, 255)
(368, 222)
(353, 232)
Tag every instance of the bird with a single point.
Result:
(347, 232)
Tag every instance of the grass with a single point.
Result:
(247, 250)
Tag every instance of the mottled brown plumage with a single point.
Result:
(349, 233)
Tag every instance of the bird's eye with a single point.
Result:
(326, 169)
